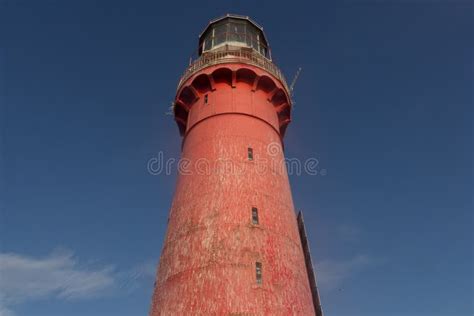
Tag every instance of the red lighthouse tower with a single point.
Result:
(234, 244)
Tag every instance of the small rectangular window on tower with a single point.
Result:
(205, 99)
(254, 216)
(250, 153)
(258, 271)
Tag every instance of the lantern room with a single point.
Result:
(233, 32)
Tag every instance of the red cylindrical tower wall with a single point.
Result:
(214, 246)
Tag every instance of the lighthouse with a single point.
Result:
(234, 243)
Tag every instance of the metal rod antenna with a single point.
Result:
(170, 109)
(292, 85)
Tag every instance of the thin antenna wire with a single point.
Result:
(292, 86)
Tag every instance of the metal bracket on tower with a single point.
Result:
(309, 265)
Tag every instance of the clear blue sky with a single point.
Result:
(384, 102)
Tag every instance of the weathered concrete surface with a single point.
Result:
(207, 265)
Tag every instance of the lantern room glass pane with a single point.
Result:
(207, 44)
(220, 28)
(219, 38)
(248, 39)
(238, 28)
(233, 37)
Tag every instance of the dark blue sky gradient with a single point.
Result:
(384, 102)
